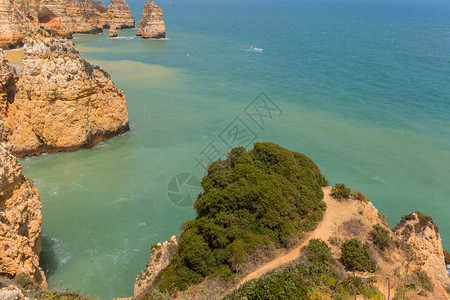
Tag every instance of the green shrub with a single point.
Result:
(24, 281)
(356, 256)
(302, 281)
(358, 195)
(340, 191)
(256, 199)
(381, 237)
(424, 280)
(318, 252)
(335, 241)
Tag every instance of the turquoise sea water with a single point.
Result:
(363, 88)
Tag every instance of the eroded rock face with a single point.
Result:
(86, 15)
(14, 26)
(8, 80)
(152, 23)
(420, 232)
(160, 258)
(63, 103)
(20, 220)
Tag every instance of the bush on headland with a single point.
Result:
(356, 256)
(317, 277)
(340, 191)
(253, 202)
(381, 237)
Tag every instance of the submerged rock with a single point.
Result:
(20, 220)
(152, 23)
(63, 103)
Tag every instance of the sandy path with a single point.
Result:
(336, 213)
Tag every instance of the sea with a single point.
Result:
(362, 87)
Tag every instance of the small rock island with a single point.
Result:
(152, 24)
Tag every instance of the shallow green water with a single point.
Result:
(363, 89)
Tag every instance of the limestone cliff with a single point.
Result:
(51, 14)
(86, 15)
(19, 18)
(422, 234)
(14, 26)
(62, 103)
(152, 23)
(20, 220)
(160, 258)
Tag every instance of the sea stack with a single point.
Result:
(20, 220)
(62, 102)
(152, 23)
(118, 13)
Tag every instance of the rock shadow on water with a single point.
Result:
(52, 256)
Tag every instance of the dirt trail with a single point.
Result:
(335, 215)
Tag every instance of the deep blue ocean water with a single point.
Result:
(361, 87)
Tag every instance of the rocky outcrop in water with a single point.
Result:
(152, 23)
(113, 31)
(118, 13)
(19, 18)
(62, 103)
(20, 220)
(90, 16)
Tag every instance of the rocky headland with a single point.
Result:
(59, 102)
(20, 220)
(352, 246)
(152, 23)
(18, 18)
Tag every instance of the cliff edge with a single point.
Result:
(61, 102)
(20, 220)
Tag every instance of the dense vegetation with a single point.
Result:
(253, 202)
(356, 256)
(316, 277)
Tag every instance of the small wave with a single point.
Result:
(123, 38)
(254, 49)
(376, 178)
